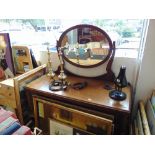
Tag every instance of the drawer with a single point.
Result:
(82, 120)
(7, 91)
(76, 118)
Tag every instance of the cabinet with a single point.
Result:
(89, 109)
(7, 93)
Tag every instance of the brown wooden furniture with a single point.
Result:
(7, 93)
(12, 90)
(93, 100)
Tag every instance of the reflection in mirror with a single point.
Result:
(85, 46)
(87, 51)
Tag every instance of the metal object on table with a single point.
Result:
(50, 74)
(61, 83)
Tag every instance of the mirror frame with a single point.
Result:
(102, 69)
(87, 26)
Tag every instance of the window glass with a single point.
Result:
(38, 33)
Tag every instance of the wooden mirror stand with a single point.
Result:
(87, 51)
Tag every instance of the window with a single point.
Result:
(37, 33)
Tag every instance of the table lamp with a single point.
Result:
(120, 82)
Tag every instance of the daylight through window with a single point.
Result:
(37, 33)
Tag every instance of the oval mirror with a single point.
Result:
(85, 46)
(87, 51)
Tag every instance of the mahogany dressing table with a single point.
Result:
(93, 99)
(87, 52)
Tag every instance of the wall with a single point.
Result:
(130, 64)
(146, 79)
(54, 58)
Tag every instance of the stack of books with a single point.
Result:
(150, 112)
(141, 121)
(10, 125)
(144, 124)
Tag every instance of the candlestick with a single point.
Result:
(51, 74)
(62, 75)
(61, 83)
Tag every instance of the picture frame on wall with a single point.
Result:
(6, 60)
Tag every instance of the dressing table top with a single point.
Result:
(93, 95)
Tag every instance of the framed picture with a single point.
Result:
(6, 60)
(80, 132)
(22, 59)
(57, 128)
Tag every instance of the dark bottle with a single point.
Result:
(121, 78)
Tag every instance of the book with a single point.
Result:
(11, 129)
(6, 114)
(2, 111)
(139, 124)
(34, 62)
(144, 118)
(153, 100)
(150, 116)
(7, 122)
(23, 130)
(135, 127)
